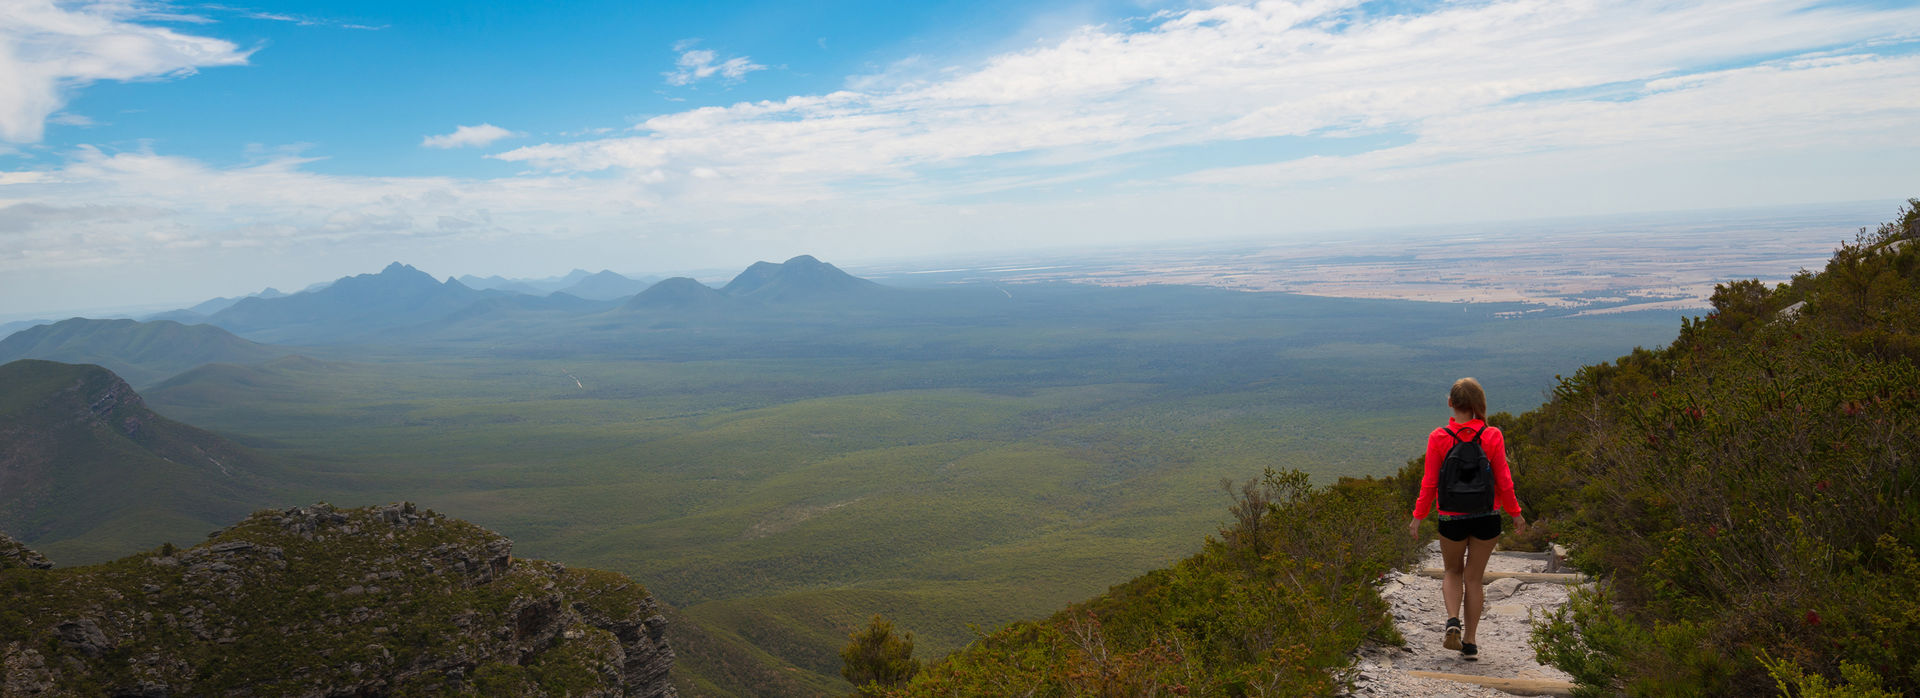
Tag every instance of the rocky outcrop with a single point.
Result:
(318, 601)
(13, 554)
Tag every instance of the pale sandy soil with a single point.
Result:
(1420, 615)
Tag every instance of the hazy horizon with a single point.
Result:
(1822, 226)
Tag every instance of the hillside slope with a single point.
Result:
(1751, 493)
(320, 601)
(81, 456)
(143, 353)
(1275, 606)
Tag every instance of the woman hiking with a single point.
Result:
(1463, 451)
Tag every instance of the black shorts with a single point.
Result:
(1481, 527)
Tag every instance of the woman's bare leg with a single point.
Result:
(1453, 554)
(1477, 553)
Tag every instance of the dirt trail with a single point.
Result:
(1421, 617)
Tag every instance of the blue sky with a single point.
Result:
(190, 150)
(358, 83)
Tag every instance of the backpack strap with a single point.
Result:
(1476, 434)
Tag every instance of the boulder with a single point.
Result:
(1502, 589)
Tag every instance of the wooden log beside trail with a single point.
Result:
(1534, 577)
(1519, 687)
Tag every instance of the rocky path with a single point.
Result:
(1421, 616)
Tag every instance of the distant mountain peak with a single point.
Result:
(800, 278)
(400, 295)
(677, 293)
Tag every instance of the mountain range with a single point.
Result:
(401, 299)
(604, 285)
(350, 308)
(401, 302)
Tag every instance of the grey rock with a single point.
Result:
(84, 636)
(24, 672)
(1501, 589)
(145, 689)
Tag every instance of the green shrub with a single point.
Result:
(1274, 606)
(1750, 491)
(1856, 681)
(875, 658)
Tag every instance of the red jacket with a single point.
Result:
(1438, 443)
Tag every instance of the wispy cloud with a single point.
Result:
(300, 20)
(695, 65)
(468, 137)
(48, 50)
(71, 119)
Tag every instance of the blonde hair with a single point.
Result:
(1467, 396)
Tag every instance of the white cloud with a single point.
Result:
(1307, 69)
(468, 137)
(697, 64)
(48, 50)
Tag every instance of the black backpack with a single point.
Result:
(1466, 476)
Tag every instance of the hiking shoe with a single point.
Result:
(1453, 634)
(1469, 651)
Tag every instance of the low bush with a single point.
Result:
(1274, 606)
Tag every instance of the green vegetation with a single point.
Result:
(1273, 607)
(1749, 493)
(875, 659)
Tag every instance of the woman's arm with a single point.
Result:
(1430, 479)
(1503, 497)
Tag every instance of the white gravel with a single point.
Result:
(1420, 614)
